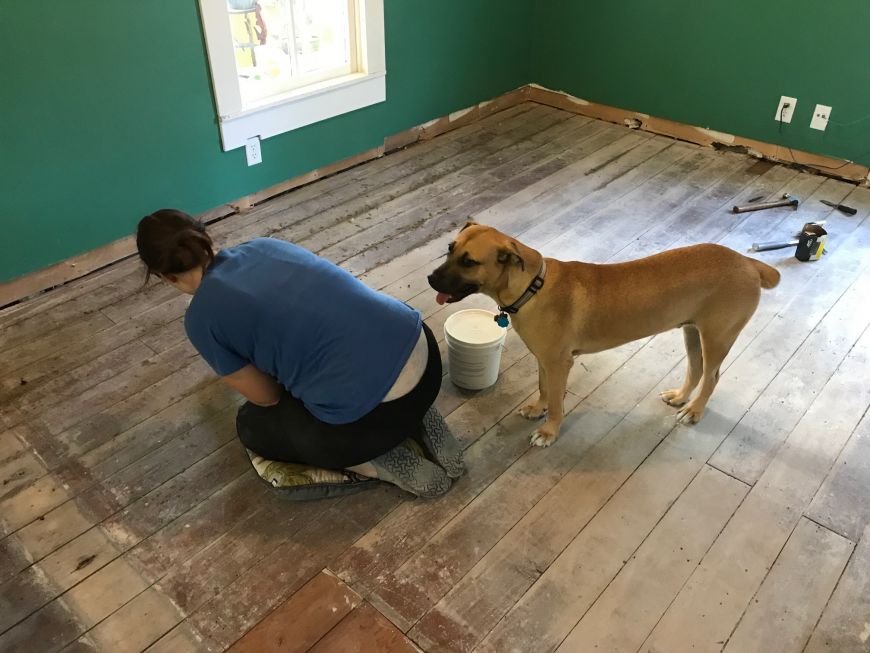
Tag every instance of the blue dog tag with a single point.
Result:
(502, 320)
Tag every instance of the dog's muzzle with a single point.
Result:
(449, 293)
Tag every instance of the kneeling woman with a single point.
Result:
(336, 374)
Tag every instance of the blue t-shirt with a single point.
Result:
(330, 340)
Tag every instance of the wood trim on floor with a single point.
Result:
(824, 165)
(81, 265)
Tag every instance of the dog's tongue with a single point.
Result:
(442, 298)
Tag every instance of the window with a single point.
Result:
(278, 65)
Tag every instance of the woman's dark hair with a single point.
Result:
(171, 242)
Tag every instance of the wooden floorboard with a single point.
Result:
(130, 519)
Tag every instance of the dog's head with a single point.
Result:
(479, 259)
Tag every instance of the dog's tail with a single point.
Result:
(769, 275)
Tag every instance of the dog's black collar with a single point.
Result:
(536, 284)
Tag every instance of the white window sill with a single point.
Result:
(303, 106)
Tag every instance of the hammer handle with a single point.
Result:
(764, 205)
(764, 247)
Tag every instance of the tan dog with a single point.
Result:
(708, 290)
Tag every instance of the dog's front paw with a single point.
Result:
(545, 435)
(533, 411)
(673, 398)
(691, 413)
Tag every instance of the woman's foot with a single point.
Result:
(441, 443)
(406, 467)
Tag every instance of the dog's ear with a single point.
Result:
(468, 224)
(511, 256)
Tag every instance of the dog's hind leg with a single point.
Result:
(715, 346)
(680, 396)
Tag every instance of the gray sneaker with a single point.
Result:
(441, 443)
(405, 466)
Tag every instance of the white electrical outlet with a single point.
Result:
(783, 112)
(820, 117)
(252, 151)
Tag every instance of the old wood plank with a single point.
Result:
(449, 219)
(250, 541)
(159, 507)
(120, 388)
(365, 630)
(198, 530)
(748, 449)
(845, 623)
(78, 559)
(61, 294)
(709, 606)
(22, 595)
(117, 490)
(724, 228)
(158, 466)
(709, 220)
(482, 597)
(208, 403)
(18, 472)
(14, 557)
(33, 349)
(589, 155)
(32, 502)
(136, 625)
(167, 336)
(181, 639)
(624, 614)
(54, 529)
(531, 139)
(437, 183)
(243, 603)
(594, 191)
(297, 624)
(39, 585)
(39, 393)
(46, 630)
(107, 590)
(57, 361)
(348, 186)
(841, 503)
(11, 444)
(789, 602)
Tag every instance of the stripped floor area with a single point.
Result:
(131, 520)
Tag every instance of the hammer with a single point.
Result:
(787, 200)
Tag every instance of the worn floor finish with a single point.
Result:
(130, 519)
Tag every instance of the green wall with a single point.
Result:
(721, 64)
(107, 112)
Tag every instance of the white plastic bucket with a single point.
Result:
(474, 343)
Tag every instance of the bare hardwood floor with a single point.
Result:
(131, 520)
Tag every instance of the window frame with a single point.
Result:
(300, 106)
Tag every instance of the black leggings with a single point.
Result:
(289, 433)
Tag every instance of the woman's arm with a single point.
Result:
(257, 387)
